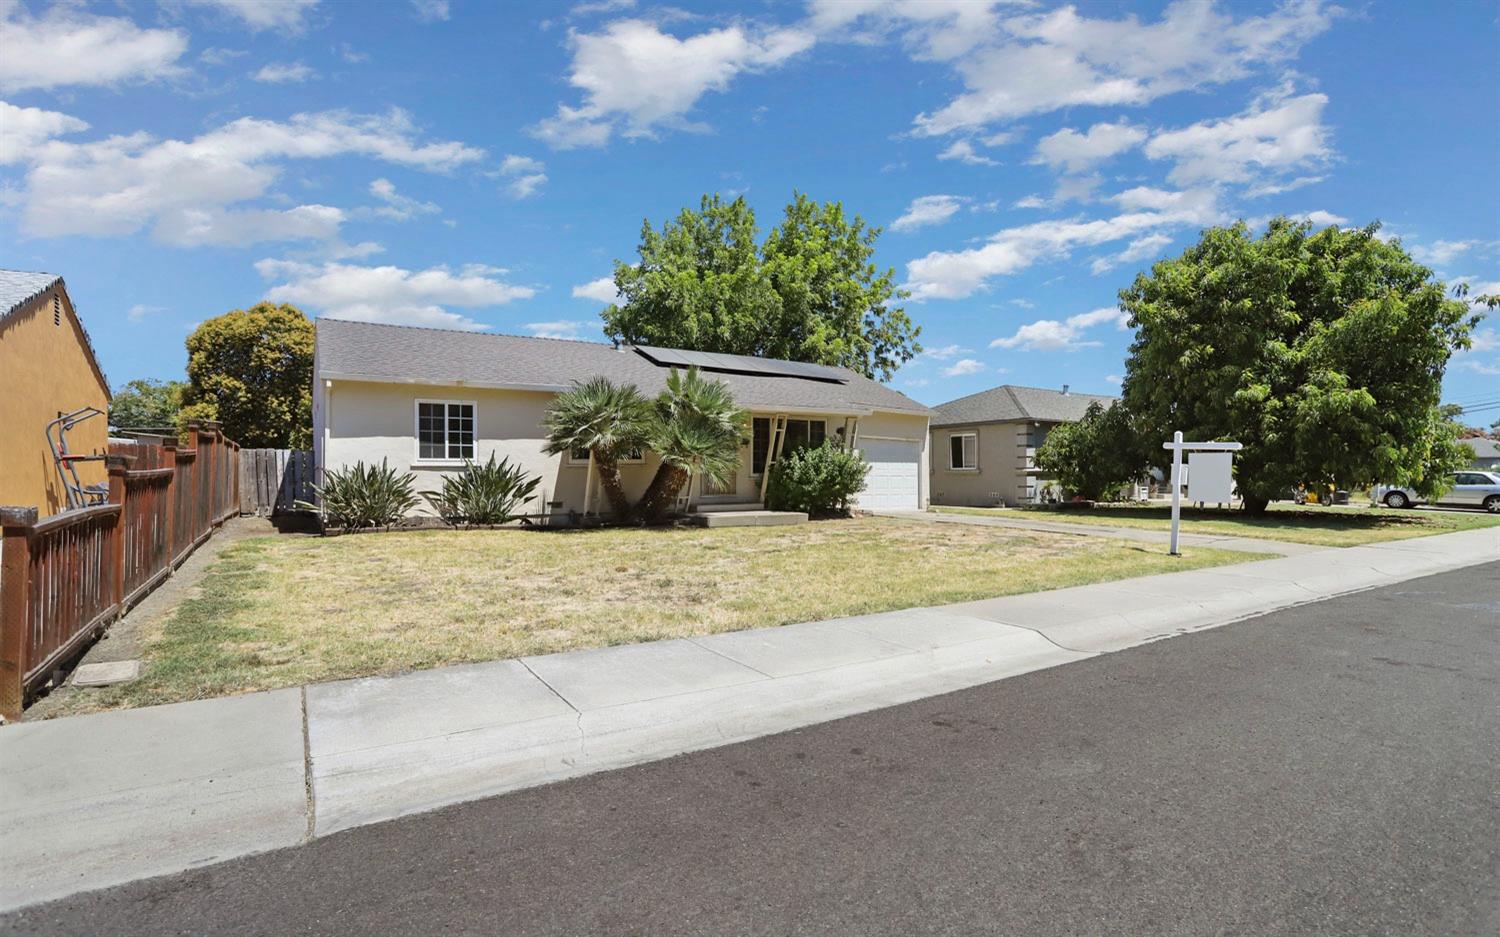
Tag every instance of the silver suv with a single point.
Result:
(1471, 489)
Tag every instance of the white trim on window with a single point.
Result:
(968, 452)
(572, 461)
(448, 457)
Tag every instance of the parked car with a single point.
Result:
(1466, 489)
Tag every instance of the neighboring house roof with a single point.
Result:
(18, 288)
(365, 351)
(1008, 402)
(1483, 448)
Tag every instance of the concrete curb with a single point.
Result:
(94, 801)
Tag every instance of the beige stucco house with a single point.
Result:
(984, 445)
(427, 399)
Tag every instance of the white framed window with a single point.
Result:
(963, 452)
(445, 430)
(581, 457)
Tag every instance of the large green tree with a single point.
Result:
(810, 292)
(1323, 352)
(251, 369)
(146, 404)
(1096, 455)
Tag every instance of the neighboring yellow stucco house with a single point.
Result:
(47, 368)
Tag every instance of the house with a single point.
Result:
(49, 369)
(1486, 453)
(426, 399)
(984, 445)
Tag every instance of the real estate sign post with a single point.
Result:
(1215, 475)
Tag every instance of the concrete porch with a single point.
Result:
(742, 514)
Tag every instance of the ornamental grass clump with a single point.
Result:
(483, 495)
(364, 496)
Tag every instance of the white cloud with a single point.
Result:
(1113, 379)
(963, 151)
(1140, 249)
(66, 46)
(23, 129)
(281, 73)
(1439, 253)
(637, 79)
(1323, 219)
(962, 367)
(944, 353)
(928, 210)
(389, 293)
(562, 328)
(1276, 135)
(1052, 335)
(399, 207)
(429, 11)
(916, 382)
(957, 274)
(601, 290)
(524, 176)
(285, 15)
(190, 189)
(1278, 187)
(1075, 152)
(141, 312)
(1036, 63)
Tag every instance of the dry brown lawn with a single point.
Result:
(276, 612)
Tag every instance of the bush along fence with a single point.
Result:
(64, 579)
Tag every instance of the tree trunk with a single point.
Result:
(614, 490)
(1254, 506)
(662, 491)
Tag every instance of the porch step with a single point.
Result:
(753, 518)
(719, 507)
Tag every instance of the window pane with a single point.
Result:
(460, 431)
(796, 436)
(817, 431)
(955, 452)
(971, 455)
(762, 439)
(430, 437)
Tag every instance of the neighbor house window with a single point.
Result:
(581, 456)
(963, 451)
(445, 430)
(799, 434)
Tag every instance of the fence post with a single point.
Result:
(116, 466)
(15, 594)
(169, 460)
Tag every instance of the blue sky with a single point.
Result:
(480, 165)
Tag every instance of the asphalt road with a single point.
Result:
(1330, 769)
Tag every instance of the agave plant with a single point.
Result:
(363, 496)
(483, 494)
(608, 420)
(699, 430)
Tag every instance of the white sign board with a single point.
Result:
(1210, 480)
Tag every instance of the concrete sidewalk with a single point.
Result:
(1138, 534)
(98, 800)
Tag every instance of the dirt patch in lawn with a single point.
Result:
(278, 612)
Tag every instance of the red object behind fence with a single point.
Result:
(65, 579)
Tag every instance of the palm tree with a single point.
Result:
(609, 420)
(699, 430)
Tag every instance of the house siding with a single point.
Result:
(48, 370)
(1006, 473)
(365, 421)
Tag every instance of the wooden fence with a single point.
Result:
(272, 481)
(65, 578)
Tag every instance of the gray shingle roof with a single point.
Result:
(18, 287)
(1009, 402)
(406, 355)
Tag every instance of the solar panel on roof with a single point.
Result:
(740, 364)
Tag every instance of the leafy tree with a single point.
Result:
(251, 369)
(1323, 352)
(809, 293)
(699, 430)
(146, 403)
(609, 420)
(1095, 456)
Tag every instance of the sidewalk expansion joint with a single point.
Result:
(307, 772)
(739, 663)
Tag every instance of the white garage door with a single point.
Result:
(893, 480)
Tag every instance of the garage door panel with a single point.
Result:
(894, 479)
